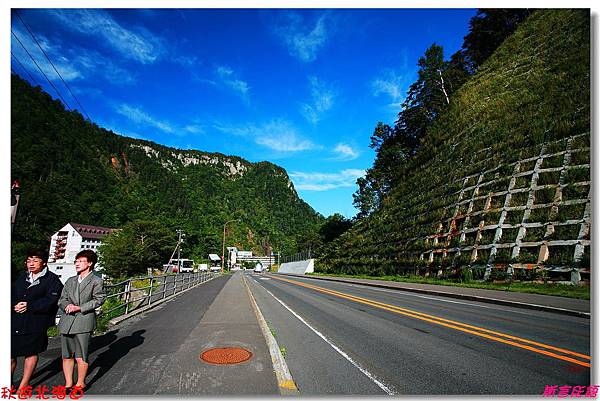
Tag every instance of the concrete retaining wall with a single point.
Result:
(300, 267)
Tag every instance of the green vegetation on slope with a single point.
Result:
(71, 170)
(533, 90)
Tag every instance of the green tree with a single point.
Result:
(139, 245)
(334, 226)
(488, 29)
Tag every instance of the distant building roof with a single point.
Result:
(94, 232)
(214, 257)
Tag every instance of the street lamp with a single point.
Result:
(223, 252)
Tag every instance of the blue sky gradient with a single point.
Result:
(302, 88)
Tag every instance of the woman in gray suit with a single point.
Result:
(81, 295)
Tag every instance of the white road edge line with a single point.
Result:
(372, 377)
(286, 383)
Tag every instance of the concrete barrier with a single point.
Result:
(299, 267)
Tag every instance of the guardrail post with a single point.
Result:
(175, 284)
(165, 287)
(150, 292)
(127, 295)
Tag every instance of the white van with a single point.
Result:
(258, 268)
(215, 269)
(187, 265)
(203, 267)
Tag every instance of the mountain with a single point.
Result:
(71, 170)
(503, 173)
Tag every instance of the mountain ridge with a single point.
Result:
(71, 169)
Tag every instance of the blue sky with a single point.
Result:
(302, 88)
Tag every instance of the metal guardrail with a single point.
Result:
(304, 255)
(138, 292)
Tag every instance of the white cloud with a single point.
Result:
(304, 40)
(138, 116)
(141, 46)
(21, 39)
(72, 62)
(278, 135)
(194, 129)
(186, 61)
(229, 79)
(345, 152)
(322, 98)
(326, 181)
(391, 85)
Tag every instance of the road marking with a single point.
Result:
(467, 328)
(285, 381)
(386, 388)
(433, 298)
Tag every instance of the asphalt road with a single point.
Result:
(349, 339)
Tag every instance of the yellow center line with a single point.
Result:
(453, 324)
(562, 350)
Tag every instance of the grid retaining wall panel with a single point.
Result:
(540, 178)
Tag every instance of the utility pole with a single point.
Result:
(180, 232)
(223, 251)
(178, 250)
(14, 202)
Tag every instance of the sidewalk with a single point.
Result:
(158, 351)
(230, 321)
(567, 306)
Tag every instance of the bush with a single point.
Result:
(525, 274)
(567, 232)
(466, 275)
(545, 195)
(528, 255)
(570, 212)
(523, 181)
(573, 192)
(577, 174)
(534, 234)
(519, 199)
(527, 166)
(581, 157)
(513, 217)
(503, 255)
(548, 177)
(508, 235)
(498, 274)
(539, 215)
(553, 161)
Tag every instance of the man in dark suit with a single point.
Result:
(81, 295)
(34, 298)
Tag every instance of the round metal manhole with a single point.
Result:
(226, 356)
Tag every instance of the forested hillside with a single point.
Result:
(71, 170)
(488, 164)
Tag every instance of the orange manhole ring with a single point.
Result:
(226, 356)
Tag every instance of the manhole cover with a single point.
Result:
(226, 356)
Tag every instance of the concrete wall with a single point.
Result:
(300, 267)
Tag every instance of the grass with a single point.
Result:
(52, 331)
(559, 290)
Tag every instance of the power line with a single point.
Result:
(25, 69)
(42, 71)
(52, 64)
(50, 111)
